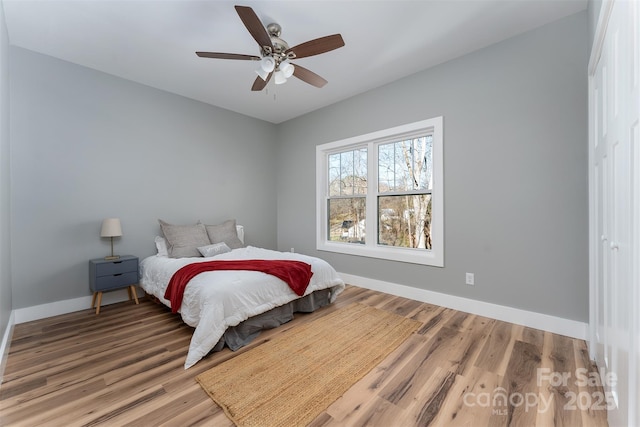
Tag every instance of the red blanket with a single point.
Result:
(297, 274)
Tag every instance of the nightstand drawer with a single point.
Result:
(115, 281)
(111, 274)
(116, 267)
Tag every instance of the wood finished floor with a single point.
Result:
(125, 367)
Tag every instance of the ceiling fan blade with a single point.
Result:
(219, 55)
(317, 46)
(259, 84)
(254, 25)
(308, 76)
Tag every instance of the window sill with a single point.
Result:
(412, 256)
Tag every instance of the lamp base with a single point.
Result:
(110, 257)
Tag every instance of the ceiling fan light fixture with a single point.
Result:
(262, 73)
(268, 64)
(287, 68)
(279, 77)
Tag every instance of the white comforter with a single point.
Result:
(216, 300)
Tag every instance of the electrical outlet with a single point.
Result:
(292, 251)
(470, 279)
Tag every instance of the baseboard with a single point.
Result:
(545, 322)
(57, 308)
(4, 347)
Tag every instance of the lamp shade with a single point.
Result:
(268, 64)
(111, 228)
(262, 73)
(287, 68)
(280, 78)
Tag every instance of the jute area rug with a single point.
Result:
(291, 379)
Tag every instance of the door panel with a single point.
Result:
(615, 209)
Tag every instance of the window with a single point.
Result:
(391, 177)
(347, 195)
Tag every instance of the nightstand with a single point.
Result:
(111, 274)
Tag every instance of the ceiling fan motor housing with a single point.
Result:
(279, 45)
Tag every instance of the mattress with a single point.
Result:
(217, 300)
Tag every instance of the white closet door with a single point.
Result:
(634, 136)
(615, 209)
(600, 195)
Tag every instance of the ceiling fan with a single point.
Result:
(275, 53)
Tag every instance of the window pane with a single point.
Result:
(360, 171)
(425, 145)
(405, 165)
(386, 168)
(334, 174)
(405, 221)
(348, 173)
(347, 220)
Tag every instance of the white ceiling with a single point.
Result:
(154, 42)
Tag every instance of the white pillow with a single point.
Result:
(215, 249)
(240, 230)
(161, 245)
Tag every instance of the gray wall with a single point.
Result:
(5, 202)
(86, 146)
(593, 14)
(515, 166)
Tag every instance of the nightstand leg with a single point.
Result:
(132, 291)
(99, 302)
(93, 300)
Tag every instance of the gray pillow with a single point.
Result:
(184, 240)
(225, 232)
(214, 249)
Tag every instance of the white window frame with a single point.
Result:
(433, 256)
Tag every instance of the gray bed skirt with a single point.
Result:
(238, 336)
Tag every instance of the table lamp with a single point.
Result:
(111, 228)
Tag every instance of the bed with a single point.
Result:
(231, 307)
